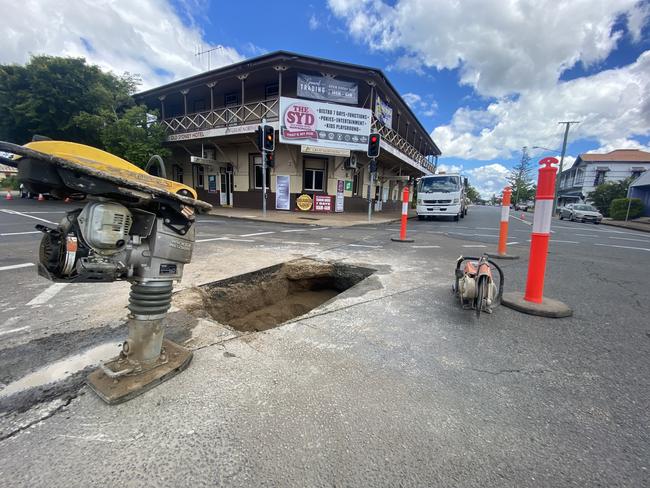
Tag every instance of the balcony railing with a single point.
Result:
(254, 112)
(250, 113)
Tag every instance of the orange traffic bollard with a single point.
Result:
(405, 216)
(503, 227)
(533, 301)
(9, 196)
(41, 198)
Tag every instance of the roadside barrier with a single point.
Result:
(503, 227)
(405, 216)
(9, 196)
(533, 301)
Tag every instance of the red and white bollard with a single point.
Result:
(503, 227)
(405, 216)
(533, 300)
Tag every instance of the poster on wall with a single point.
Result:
(282, 190)
(212, 183)
(340, 188)
(324, 124)
(327, 88)
(322, 203)
(383, 112)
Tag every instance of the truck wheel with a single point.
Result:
(462, 214)
(456, 218)
(420, 217)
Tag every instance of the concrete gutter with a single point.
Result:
(635, 225)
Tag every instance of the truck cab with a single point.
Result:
(442, 194)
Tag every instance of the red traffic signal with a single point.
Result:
(270, 160)
(374, 142)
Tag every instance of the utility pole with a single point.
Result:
(567, 124)
(263, 171)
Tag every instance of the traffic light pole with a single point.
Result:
(371, 177)
(263, 175)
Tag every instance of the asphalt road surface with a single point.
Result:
(391, 385)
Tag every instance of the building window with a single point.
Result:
(600, 177)
(231, 99)
(257, 170)
(636, 173)
(357, 183)
(271, 91)
(314, 180)
(198, 173)
(199, 105)
(177, 173)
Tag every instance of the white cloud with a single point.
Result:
(449, 168)
(146, 37)
(426, 107)
(489, 179)
(500, 47)
(313, 22)
(612, 106)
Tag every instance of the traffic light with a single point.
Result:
(269, 138)
(373, 166)
(259, 133)
(270, 160)
(373, 145)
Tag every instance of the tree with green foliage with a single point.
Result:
(58, 98)
(472, 194)
(618, 209)
(605, 193)
(520, 180)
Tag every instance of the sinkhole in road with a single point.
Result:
(269, 297)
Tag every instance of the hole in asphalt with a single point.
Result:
(271, 296)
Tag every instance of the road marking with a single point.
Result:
(478, 235)
(425, 247)
(521, 220)
(47, 295)
(587, 235)
(298, 242)
(472, 245)
(320, 228)
(50, 212)
(511, 243)
(224, 239)
(13, 212)
(363, 245)
(294, 230)
(21, 233)
(257, 234)
(4, 332)
(623, 247)
(621, 238)
(16, 266)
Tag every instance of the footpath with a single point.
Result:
(642, 223)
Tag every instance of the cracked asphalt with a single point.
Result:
(388, 384)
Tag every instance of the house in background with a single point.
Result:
(7, 171)
(591, 170)
(322, 111)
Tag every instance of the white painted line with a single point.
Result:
(621, 238)
(13, 212)
(257, 234)
(4, 332)
(16, 266)
(225, 239)
(50, 212)
(21, 233)
(472, 245)
(485, 228)
(319, 228)
(425, 247)
(623, 247)
(588, 235)
(511, 243)
(521, 220)
(47, 295)
(294, 230)
(301, 243)
(251, 216)
(363, 245)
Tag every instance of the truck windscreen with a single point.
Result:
(439, 184)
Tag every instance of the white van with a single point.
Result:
(442, 194)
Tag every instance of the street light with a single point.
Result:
(559, 179)
(546, 149)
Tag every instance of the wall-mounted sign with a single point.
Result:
(383, 112)
(325, 151)
(221, 131)
(322, 203)
(282, 186)
(212, 183)
(304, 202)
(324, 124)
(198, 160)
(348, 185)
(327, 88)
(340, 185)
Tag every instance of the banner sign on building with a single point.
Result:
(340, 185)
(324, 124)
(326, 88)
(282, 186)
(322, 203)
(383, 112)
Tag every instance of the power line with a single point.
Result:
(567, 125)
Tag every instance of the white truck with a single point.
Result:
(442, 194)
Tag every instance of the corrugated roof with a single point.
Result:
(643, 180)
(626, 155)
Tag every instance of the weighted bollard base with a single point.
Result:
(397, 239)
(502, 256)
(548, 308)
(114, 390)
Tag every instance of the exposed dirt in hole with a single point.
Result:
(271, 296)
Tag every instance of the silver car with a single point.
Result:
(581, 212)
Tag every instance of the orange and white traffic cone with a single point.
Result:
(9, 196)
(67, 200)
(405, 216)
(41, 198)
(533, 300)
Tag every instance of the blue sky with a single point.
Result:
(485, 77)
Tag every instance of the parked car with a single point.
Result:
(524, 206)
(581, 212)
